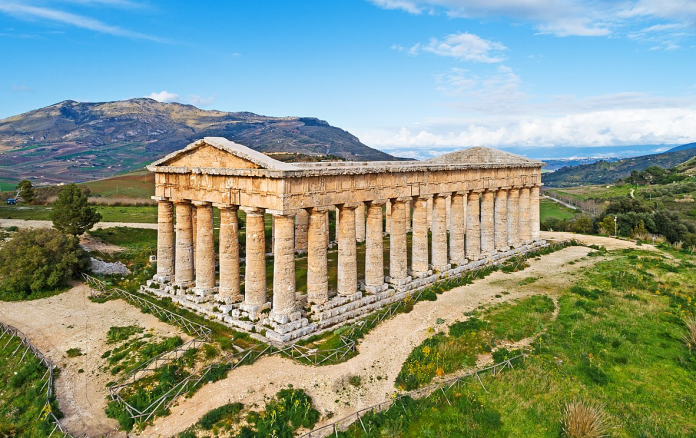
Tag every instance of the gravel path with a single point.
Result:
(382, 352)
(71, 320)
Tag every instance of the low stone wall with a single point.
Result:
(338, 311)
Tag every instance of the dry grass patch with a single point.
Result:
(583, 420)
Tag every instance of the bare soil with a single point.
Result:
(71, 320)
(382, 352)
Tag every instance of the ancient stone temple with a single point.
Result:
(399, 227)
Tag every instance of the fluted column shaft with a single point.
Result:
(473, 227)
(388, 216)
(487, 222)
(230, 291)
(457, 230)
(255, 261)
(205, 249)
(165, 241)
(283, 268)
(317, 272)
(301, 226)
(419, 242)
(513, 209)
(439, 232)
(374, 248)
(183, 267)
(398, 262)
(501, 226)
(194, 233)
(347, 254)
(360, 223)
(534, 214)
(525, 230)
(430, 213)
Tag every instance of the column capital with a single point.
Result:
(422, 197)
(442, 194)
(461, 192)
(182, 201)
(229, 206)
(317, 209)
(401, 199)
(202, 203)
(504, 188)
(348, 206)
(282, 212)
(253, 211)
(160, 199)
(377, 202)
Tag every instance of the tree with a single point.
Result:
(583, 225)
(37, 260)
(25, 190)
(71, 212)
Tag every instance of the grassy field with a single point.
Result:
(617, 345)
(143, 214)
(551, 209)
(139, 184)
(22, 381)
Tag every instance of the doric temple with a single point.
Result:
(443, 217)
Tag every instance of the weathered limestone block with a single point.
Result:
(513, 221)
(398, 262)
(419, 243)
(501, 225)
(439, 233)
(374, 249)
(229, 290)
(183, 268)
(347, 263)
(360, 223)
(165, 241)
(457, 230)
(284, 268)
(525, 229)
(301, 227)
(487, 223)
(205, 249)
(473, 227)
(317, 273)
(534, 214)
(255, 260)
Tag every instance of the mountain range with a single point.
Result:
(80, 141)
(604, 172)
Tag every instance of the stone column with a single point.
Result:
(513, 221)
(317, 273)
(301, 226)
(229, 255)
(347, 254)
(194, 232)
(388, 215)
(448, 213)
(439, 233)
(534, 214)
(255, 261)
(374, 248)
(457, 230)
(205, 249)
(473, 227)
(183, 267)
(525, 230)
(360, 223)
(487, 223)
(328, 228)
(398, 261)
(283, 269)
(501, 225)
(430, 213)
(419, 243)
(165, 241)
(337, 216)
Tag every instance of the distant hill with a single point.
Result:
(78, 141)
(604, 172)
(683, 147)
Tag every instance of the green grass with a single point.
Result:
(23, 394)
(617, 343)
(131, 238)
(139, 184)
(551, 209)
(143, 214)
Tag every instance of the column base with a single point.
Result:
(376, 289)
(503, 249)
(253, 310)
(227, 297)
(204, 291)
(419, 274)
(444, 268)
(183, 285)
(284, 317)
(162, 278)
(398, 281)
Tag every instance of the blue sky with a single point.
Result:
(411, 77)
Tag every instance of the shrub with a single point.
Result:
(74, 352)
(38, 261)
(581, 420)
(229, 410)
(690, 335)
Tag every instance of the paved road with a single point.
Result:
(21, 223)
(561, 202)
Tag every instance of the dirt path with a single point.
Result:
(70, 320)
(21, 223)
(382, 352)
(607, 242)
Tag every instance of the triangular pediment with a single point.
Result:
(218, 152)
(482, 155)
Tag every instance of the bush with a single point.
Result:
(229, 410)
(581, 420)
(38, 261)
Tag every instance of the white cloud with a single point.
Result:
(197, 100)
(28, 12)
(22, 89)
(164, 96)
(463, 46)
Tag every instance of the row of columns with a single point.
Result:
(480, 223)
